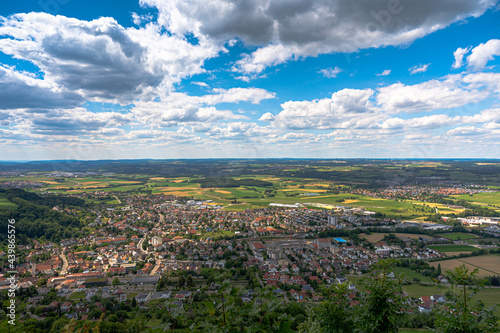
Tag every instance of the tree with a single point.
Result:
(465, 315)
(334, 315)
(383, 303)
(181, 281)
(189, 281)
(116, 281)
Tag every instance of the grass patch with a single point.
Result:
(5, 203)
(77, 295)
(453, 248)
(459, 236)
(485, 199)
(409, 275)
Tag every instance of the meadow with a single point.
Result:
(459, 236)
(483, 199)
(5, 203)
(453, 248)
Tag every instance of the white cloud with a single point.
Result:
(428, 96)
(346, 105)
(294, 29)
(459, 56)
(201, 84)
(384, 73)
(331, 72)
(419, 69)
(485, 116)
(101, 60)
(268, 116)
(465, 131)
(181, 108)
(483, 53)
(433, 121)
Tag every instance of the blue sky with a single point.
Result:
(249, 78)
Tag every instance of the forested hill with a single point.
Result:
(35, 218)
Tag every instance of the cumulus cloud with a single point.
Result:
(346, 105)
(295, 29)
(425, 122)
(20, 90)
(459, 56)
(428, 96)
(181, 108)
(74, 122)
(465, 131)
(100, 59)
(483, 53)
(419, 69)
(331, 72)
(375, 110)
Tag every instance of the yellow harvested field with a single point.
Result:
(88, 183)
(350, 201)
(126, 182)
(182, 194)
(303, 190)
(271, 179)
(451, 254)
(376, 237)
(223, 192)
(157, 178)
(48, 182)
(178, 180)
(324, 185)
(180, 188)
(489, 262)
(95, 186)
(487, 265)
(373, 238)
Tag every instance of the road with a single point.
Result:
(158, 263)
(258, 279)
(139, 245)
(118, 199)
(64, 269)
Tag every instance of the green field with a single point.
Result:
(5, 203)
(485, 199)
(453, 248)
(286, 190)
(459, 236)
(409, 275)
(77, 295)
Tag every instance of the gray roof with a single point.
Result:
(149, 279)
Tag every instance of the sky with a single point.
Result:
(168, 79)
